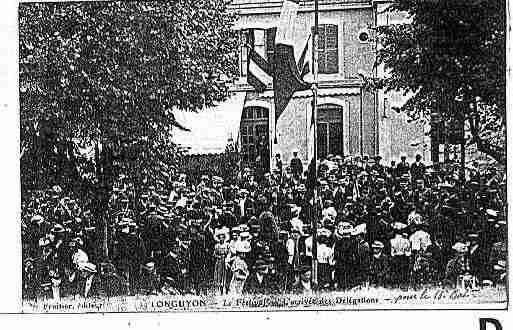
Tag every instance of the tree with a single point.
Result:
(105, 77)
(452, 56)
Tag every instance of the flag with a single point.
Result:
(303, 63)
(287, 78)
(259, 71)
(311, 180)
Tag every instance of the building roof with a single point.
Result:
(210, 128)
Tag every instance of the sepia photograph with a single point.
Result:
(263, 155)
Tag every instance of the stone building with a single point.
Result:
(351, 119)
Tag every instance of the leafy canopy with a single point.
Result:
(452, 55)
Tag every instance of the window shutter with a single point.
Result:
(331, 61)
(270, 36)
(327, 48)
(331, 48)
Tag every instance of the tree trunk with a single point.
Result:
(100, 203)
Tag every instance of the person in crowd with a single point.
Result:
(221, 250)
(278, 164)
(417, 169)
(259, 281)
(379, 268)
(458, 265)
(296, 165)
(345, 255)
(400, 253)
(403, 167)
(239, 268)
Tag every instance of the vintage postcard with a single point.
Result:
(263, 155)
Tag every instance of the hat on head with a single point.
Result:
(360, 229)
(37, 219)
(87, 267)
(323, 232)
(501, 265)
(345, 228)
(150, 265)
(492, 213)
(56, 189)
(473, 235)
(77, 240)
(378, 245)
(221, 231)
(398, 226)
(260, 264)
(217, 179)
(242, 246)
(44, 242)
(460, 247)
(58, 228)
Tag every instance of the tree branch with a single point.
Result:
(483, 146)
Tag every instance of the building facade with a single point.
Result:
(351, 119)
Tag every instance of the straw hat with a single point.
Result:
(242, 247)
(345, 228)
(378, 245)
(460, 247)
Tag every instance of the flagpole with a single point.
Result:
(315, 71)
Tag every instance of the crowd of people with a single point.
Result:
(395, 226)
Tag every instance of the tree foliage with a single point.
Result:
(452, 56)
(107, 76)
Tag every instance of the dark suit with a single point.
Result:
(402, 168)
(296, 166)
(417, 170)
(253, 286)
(249, 209)
(345, 254)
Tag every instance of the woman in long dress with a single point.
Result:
(239, 268)
(220, 252)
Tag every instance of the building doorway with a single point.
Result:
(254, 131)
(329, 131)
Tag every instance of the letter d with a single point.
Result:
(485, 321)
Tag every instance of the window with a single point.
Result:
(329, 131)
(328, 48)
(245, 40)
(254, 133)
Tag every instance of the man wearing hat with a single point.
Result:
(403, 167)
(345, 257)
(304, 285)
(244, 206)
(478, 258)
(150, 280)
(417, 169)
(400, 253)
(128, 254)
(377, 166)
(325, 258)
(258, 281)
(296, 165)
(296, 249)
(363, 254)
(379, 269)
(457, 266)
